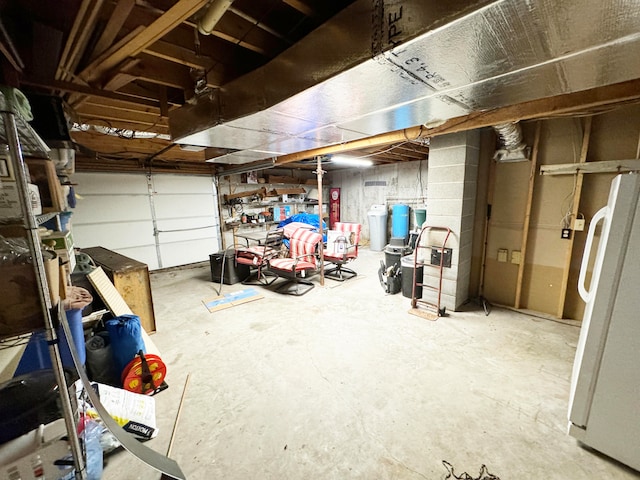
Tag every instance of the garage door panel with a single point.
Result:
(184, 252)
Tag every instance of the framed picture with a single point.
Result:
(6, 171)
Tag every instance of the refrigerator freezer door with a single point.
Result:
(613, 426)
(608, 264)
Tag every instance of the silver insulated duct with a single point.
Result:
(384, 65)
(512, 148)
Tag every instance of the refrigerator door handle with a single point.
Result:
(582, 289)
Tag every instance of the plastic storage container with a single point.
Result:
(377, 227)
(400, 221)
(233, 273)
(407, 277)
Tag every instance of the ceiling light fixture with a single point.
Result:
(351, 161)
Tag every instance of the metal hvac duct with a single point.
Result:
(512, 147)
(385, 65)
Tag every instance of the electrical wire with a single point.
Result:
(483, 475)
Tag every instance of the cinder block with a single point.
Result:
(438, 191)
(449, 221)
(446, 174)
(468, 207)
(456, 155)
(472, 155)
(445, 206)
(471, 137)
(467, 224)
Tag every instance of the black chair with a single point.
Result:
(257, 257)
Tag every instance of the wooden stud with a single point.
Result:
(161, 72)
(93, 92)
(164, 104)
(120, 14)
(78, 22)
(108, 113)
(527, 215)
(574, 212)
(173, 17)
(178, 54)
(610, 166)
(301, 7)
(83, 38)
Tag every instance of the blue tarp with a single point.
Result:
(308, 218)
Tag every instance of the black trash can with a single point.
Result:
(407, 277)
(233, 273)
(393, 254)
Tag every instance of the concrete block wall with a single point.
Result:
(388, 185)
(451, 197)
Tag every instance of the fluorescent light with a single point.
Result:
(351, 161)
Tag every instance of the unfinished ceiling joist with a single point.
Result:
(612, 166)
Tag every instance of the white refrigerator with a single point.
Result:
(604, 404)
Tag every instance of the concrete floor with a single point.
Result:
(343, 383)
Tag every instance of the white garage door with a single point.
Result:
(161, 220)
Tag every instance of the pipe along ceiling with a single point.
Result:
(386, 65)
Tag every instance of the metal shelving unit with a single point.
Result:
(20, 137)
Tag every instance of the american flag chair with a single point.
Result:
(301, 263)
(345, 250)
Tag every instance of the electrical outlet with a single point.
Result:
(503, 254)
(515, 257)
(578, 224)
(566, 233)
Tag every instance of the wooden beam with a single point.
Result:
(143, 90)
(87, 73)
(123, 106)
(123, 125)
(577, 193)
(88, 24)
(610, 166)
(85, 90)
(545, 107)
(301, 7)
(84, 164)
(120, 13)
(173, 17)
(527, 215)
(177, 54)
(121, 78)
(164, 105)
(108, 113)
(61, 71)
(375, 141)
(127, 147)
(161, 72)
(215, 73)
(116, 82)
(238, 31)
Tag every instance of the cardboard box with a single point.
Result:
(43, 174)
(10, 205)
(20, 308)
(62, 243)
